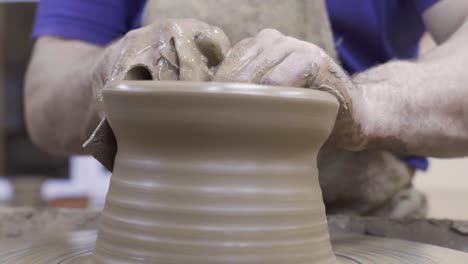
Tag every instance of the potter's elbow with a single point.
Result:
(39, 123)
(47, 131)
(37, 129)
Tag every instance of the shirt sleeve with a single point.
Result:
(94, 21)
(423, 5)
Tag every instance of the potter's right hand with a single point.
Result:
(275, 59)
(176, 49)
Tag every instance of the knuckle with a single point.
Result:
(314, 52)
(192, 21)
(169, 21)
(269, 32)
(291, 39)
(167, 24)
(308, 47)
(291, 42)
(132, 34)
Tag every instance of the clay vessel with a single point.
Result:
(215, 173)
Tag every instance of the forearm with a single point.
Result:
(417, 107)
(60, 113)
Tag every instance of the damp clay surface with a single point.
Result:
(217, 173)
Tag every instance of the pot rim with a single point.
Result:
(166, 87)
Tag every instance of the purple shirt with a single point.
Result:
(366, 32)
(95, 21)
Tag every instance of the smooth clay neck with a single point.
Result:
(215, 173)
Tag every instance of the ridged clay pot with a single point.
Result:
(211, 173)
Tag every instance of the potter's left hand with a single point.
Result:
(274, 59)
(173, 49)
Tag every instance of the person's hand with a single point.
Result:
(184, 49)
(176, 49)
(274, 59)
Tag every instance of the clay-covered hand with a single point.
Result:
(175, 49)
(184, 49)
(272, 58)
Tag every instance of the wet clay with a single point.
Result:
(217, 173)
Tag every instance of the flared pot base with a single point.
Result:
(77, 247)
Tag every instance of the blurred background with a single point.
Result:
(31, 177)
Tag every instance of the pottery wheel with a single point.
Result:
(76, 248)
(227, 176)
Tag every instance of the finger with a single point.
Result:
(179, 37)
(273, 54)
(239, 56)
(148, 64)
(252, 57)
(162, 71)
(196, 47)
(264, 39)
(213, 44)
(138, 72)
(193, 66)
(127, 51)
(296, 70)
